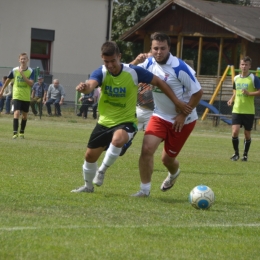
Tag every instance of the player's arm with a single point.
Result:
(87, 87)
(185, 108)
(193, 102)
(195, 99)
(4, 86)
(140, 58)
(231, 100)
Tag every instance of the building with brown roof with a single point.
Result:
(232, 30)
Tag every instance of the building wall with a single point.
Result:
(80, 29)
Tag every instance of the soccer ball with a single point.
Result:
(201, 197)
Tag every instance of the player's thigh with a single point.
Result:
(175, 140)
(101, 136)
(123, 133)
(17, 104)
(248, 121)
(120, 137)
(25, 106)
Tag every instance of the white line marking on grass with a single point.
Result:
(133, 226)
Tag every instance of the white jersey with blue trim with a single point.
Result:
(181, 79)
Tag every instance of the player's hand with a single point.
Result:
(141, 57)
(178, 122)
(21, 71)
(245, 92)
(183, 108)
(82, 87)
(230, 102)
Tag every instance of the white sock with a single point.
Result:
(111, 155)
(145, 188)
(89, 172)
(172, 176)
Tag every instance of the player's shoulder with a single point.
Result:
(30, 69)
(129, 67)
(236, 77)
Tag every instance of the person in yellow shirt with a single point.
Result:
(23, 78)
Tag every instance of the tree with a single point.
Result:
(126, 13)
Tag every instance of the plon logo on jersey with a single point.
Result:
(115, 91)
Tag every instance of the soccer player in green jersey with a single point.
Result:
(246, 87)
(117, 111)
(23, 77)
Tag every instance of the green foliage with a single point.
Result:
(41, 219)
(125, 15)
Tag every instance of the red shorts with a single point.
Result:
(173, 141)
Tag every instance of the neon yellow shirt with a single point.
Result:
(21, 90)
(118, 97)
(244, 104)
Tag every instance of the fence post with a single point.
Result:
(216, 92)
(37, 73)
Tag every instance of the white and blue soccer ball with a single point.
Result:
(201, 197)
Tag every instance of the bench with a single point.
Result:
(216, 118)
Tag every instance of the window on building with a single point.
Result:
(40, 55)
(41, 42)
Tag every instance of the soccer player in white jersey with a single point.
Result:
(164, 125)
(117, 116)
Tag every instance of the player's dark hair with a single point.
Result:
(247, 58)
(161, 37)
(110, 48)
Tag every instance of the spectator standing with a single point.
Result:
(163, 125)
(39, 92)
(6, 98)
(246, 87)
(55, 95)
(23, 80)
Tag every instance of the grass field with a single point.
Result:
(41, 219)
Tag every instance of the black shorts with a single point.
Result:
(246, 120)
(21, 105)
(102, 136)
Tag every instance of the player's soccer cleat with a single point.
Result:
(99, 178)
(244, 159)
(234, 157)
(125, 147)
(21, 136)
(140, 194)
(169, 181)
(15, 136)
(83, 189)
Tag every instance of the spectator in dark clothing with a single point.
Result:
(87, 100)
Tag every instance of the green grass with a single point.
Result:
(41, 219)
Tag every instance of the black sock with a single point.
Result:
(235, 142)
(23, 124)
(246, 146)
(15, 125)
